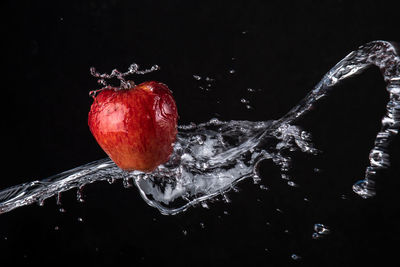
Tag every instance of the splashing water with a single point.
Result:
(209, 159)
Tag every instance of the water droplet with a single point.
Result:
(364, 188)
(251, 90)
(321, 229)
(204, 205)
(226, 213)
(316, 236)
(79, 194)
(111, 180)
(226, 199)
(41, 202)
(263, 187)
(155, 67)
(256, 178)
(56, 228)
(244, 101)
(58, 199)
(317, 170)
(292, 184)
(208, 79)
(232, 71)
(80, 219)
(248, 107)
(62, 210)
(197, 77)
(295, 257)
(184, 232)
(202, 225)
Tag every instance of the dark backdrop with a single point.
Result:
(280, 48)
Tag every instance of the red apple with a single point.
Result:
(135, 126)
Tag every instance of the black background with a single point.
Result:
(280, 48)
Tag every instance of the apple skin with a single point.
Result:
(137, 126)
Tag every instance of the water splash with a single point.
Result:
(209, 159)
(102, 78)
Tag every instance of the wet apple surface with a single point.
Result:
(137, 126)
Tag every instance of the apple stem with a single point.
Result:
(133, 69)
